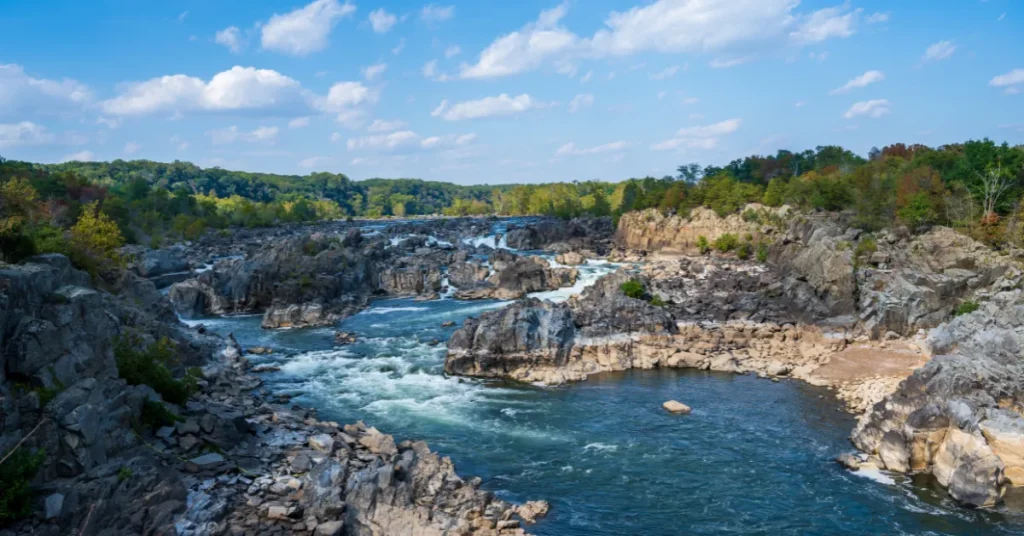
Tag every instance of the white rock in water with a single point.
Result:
(676, 407)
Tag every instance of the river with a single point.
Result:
(754, 457)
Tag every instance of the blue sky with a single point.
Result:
(487, 92)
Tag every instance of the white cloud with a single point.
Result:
(570, 149)
(670, 26)
(725, 63)
(181, 18)
(877, 18)
(371, 72)
(666, 73)
(24, 133)
(22, 94)
(1012, 81)
(336, 137)
(872, 108)
(110, 122)
(343, 96)
(798, 104)
(399, 47)
(818, 56)
(382, 21)
(179, 143)
(826, 23)
(352, 118)
(380, 125)
(232, 134)
(586, 78)
(452, 140)
(452, 51)
(81, 156)
(230, 37)
(583, 100)
(305, 30)
(131, 148)
(435, 13)
(863, 80)
(691, 100)
(430, 71)
(393, 140)
(299, 122)
(699, 137)
(240, 88)
(487, 107)
(525, 49)
(939, 51)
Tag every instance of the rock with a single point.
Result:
(344, 337)
(322, 442)
(54, 505)
(532, 510)
(673, 406)
(329, 528)
(894, 453)
(206, 462)
(447, 323)
(189, 426)
(570, 258)
(258, 350)
(378, 443)
(158, 262)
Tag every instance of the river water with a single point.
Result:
(754, 457)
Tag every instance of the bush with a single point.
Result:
(762, 252)
(633, 289)
(702, 245)
(657, 301)
(726, 243)
(744, 250)
(148, 365)
(751, 216)
(155, 415)
(965, 308)
(865, 248)
(95, 240)
(16, 473)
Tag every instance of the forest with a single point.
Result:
(88, 209)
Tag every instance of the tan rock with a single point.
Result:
(673, 406)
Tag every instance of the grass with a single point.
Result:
(966, 308)
(16, 473)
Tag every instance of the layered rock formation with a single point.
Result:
(514, 276)
(651, 230)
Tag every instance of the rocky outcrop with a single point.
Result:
(651, 230)
(959, 416)
(576, 234)
(605, 330)
(234, 460)
(515, 276)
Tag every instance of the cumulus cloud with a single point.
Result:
(583, 100)
(381, 125)
(452, 51)
(670, 26)
(81, 156)
(381, 21)
(664, 74)
(304, 30)
(1011, 81)
(452, 140)
(570, 149)
(315, 162)
(371, 72)
(22, 94)
(435, 13)
(699, 137)
(863, 80)
(939, 51)
(233, 134)
(299, 122)
(725, 63)
(230, 37)
(873, 108)
(240, 88)
(347, 100)
(24, 133)
(131, 148)
(487, 107)
(393, 140)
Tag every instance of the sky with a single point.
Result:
(484, 91)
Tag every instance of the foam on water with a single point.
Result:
(386, 310)
(589, 273)
(489, 241)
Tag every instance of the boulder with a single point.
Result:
(673, 406)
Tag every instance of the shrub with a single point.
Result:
(633, 289)
(744, 250)
(865, 248)
(95, 240)
(156, 414)
(762, 252)
(751, 216)
(124, 473)
(148, 365)
(965, 308)
(16, 473)
(726, 243)
(703, 245)
(657, 301)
